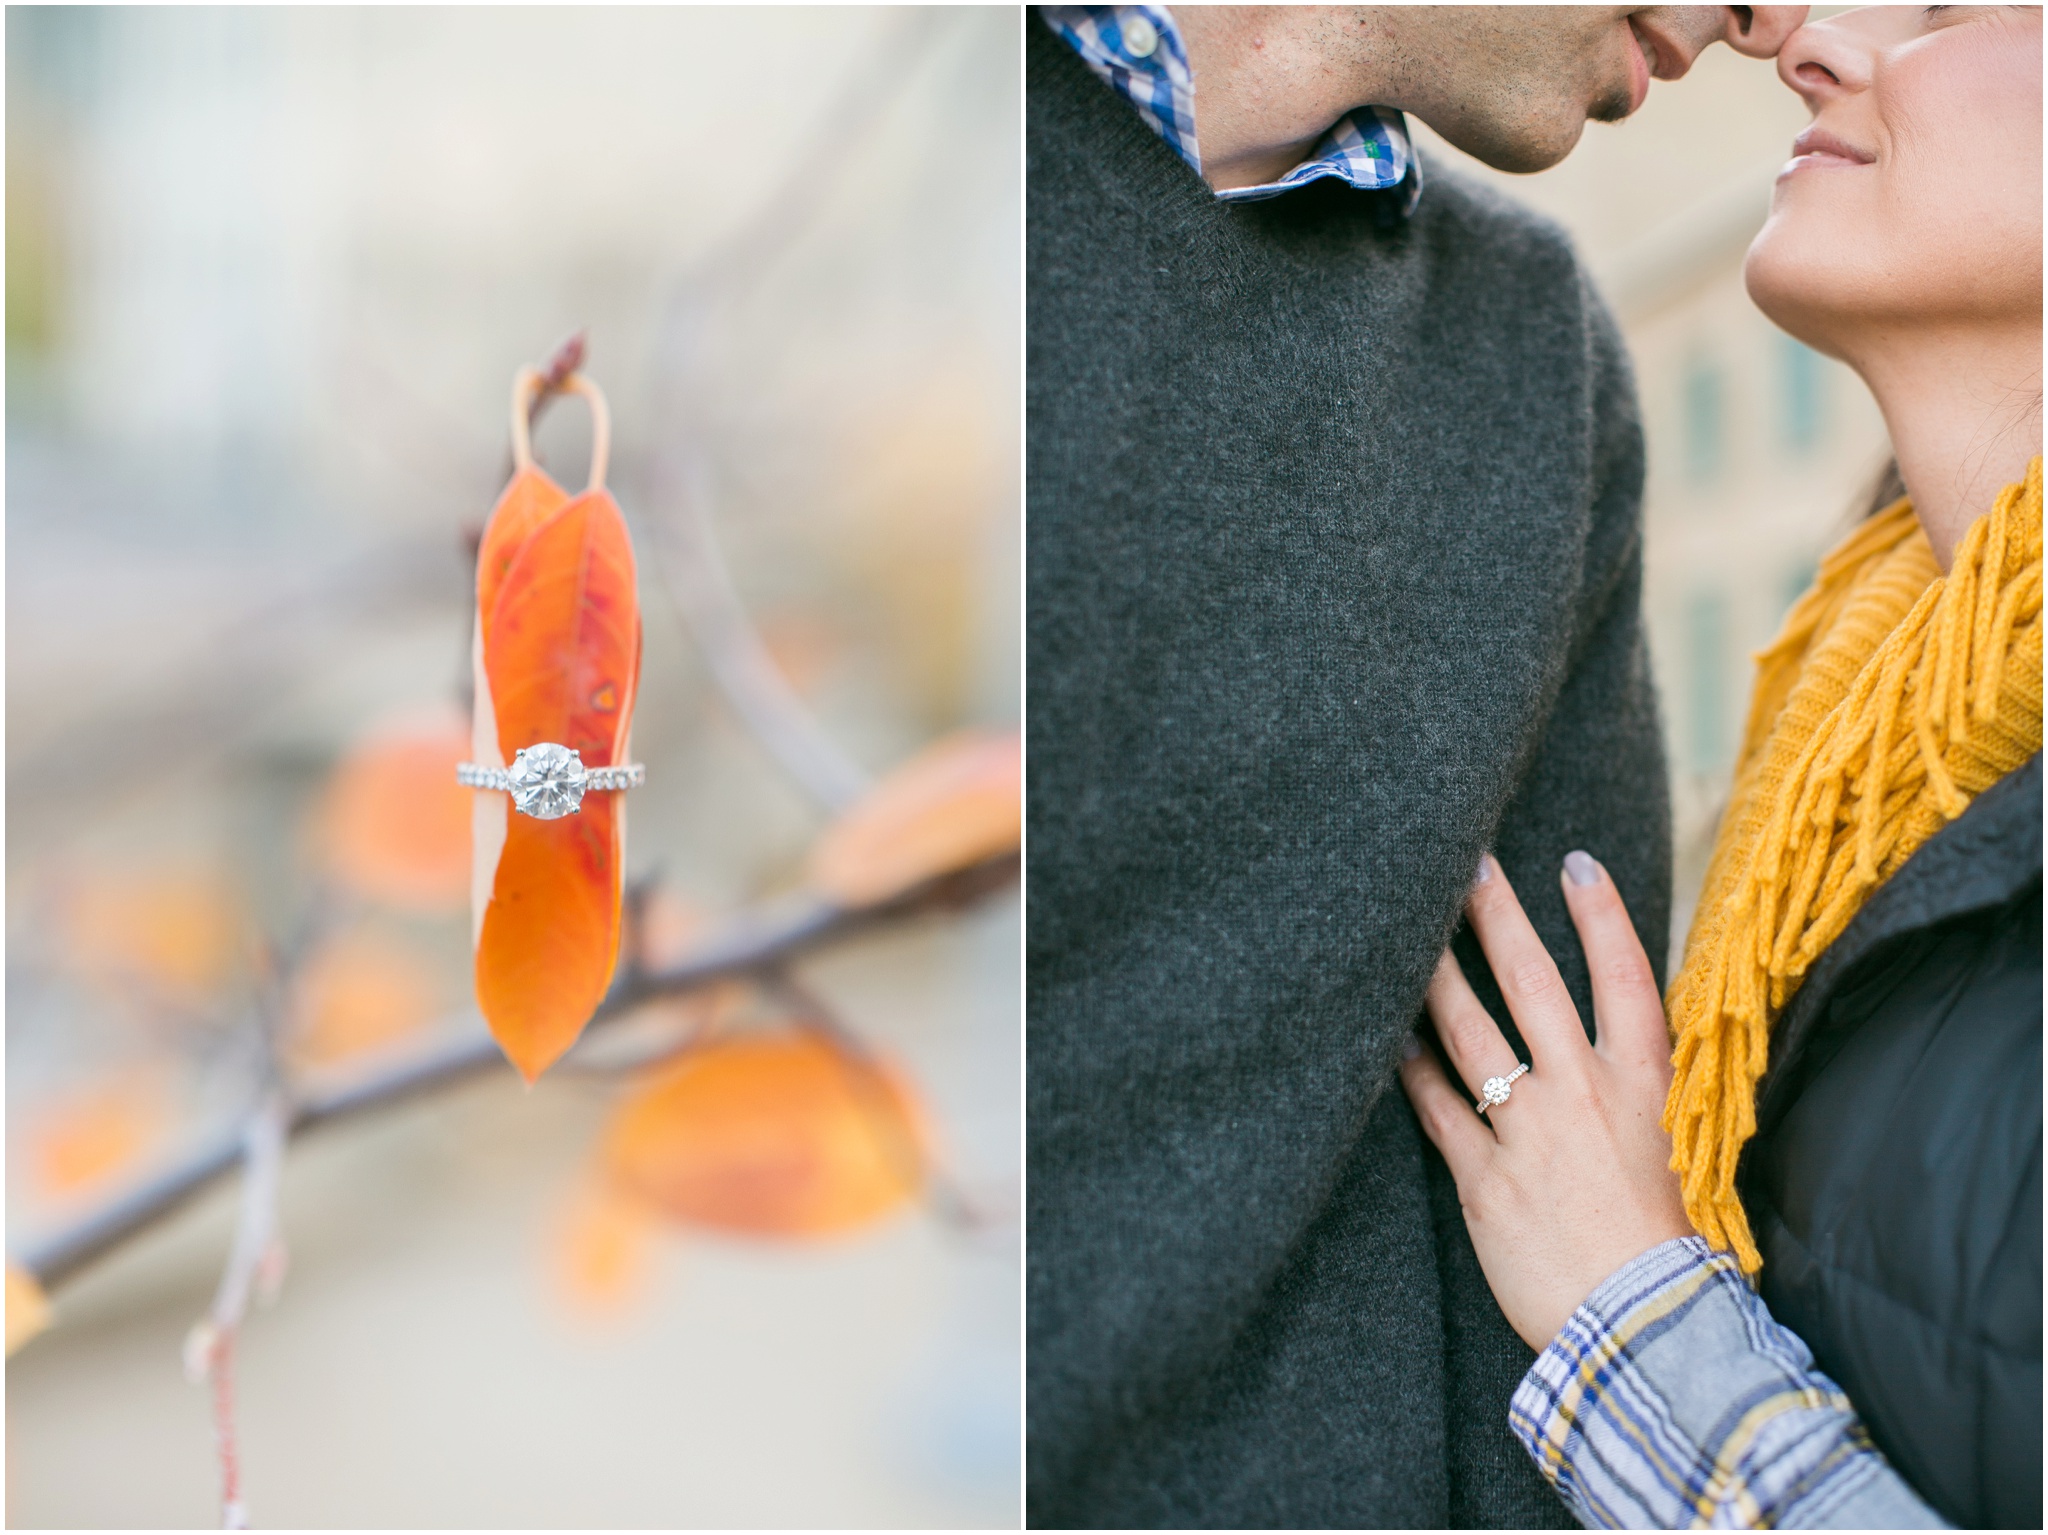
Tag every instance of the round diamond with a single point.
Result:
(547, 781)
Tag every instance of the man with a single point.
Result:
(1334, 576)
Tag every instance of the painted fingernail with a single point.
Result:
(1485, 870)
(1411, 1048)
(1580, 868)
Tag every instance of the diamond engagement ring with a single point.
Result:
(547, 781)
(1494, 1090)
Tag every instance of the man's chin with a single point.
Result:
(1612, 107)
(1519, 153)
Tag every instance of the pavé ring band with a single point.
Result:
(547, 781)
(1494, 1090)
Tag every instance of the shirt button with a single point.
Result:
(1140, 37)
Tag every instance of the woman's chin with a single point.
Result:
(1805, 285)
(1833, 261)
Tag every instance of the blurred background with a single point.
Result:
(269, 275)
(1762, 453)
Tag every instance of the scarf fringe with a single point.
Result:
(1891, 698)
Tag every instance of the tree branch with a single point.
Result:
(739, 660)
(751, 944)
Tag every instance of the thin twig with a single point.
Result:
(257, 1249)
(210, 713)
(693, 568)
(695, 574)
(845, 120)
(567, 358)
(256, 1229)
(633, 925)
(749, 945)
(210, 1347)
(920, 1168)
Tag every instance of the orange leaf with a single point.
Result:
(561, 656)
(562, 636)
(362, 991)
(394, 824)
(82, 1140)
(600, 1248)
(174, 929)
(28, 1308)
(954, 804)
(802, 647)
(770, 1135)
(528, 501)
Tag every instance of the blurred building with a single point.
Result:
(1760, 450)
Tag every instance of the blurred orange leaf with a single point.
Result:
(802, 646)
(28, 1308)
(954, 804)
(394, 824)
(362, 991)
(559, 661)
(601, 1248)
(174, 929)
(670, 927)
(82, 1139)
(776, 1135)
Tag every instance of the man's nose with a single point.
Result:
(1760, 30)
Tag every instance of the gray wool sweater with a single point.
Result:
(1334, 562)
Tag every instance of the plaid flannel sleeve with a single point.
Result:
(1672, 1401)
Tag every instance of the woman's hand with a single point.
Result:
(1570, 1178)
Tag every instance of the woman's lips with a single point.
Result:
(1817, 147)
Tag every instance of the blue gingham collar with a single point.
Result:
(1139, 51)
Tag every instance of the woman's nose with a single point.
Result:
(1760, 30)
(1820, 60)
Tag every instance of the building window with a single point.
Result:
(1704, 423)
(1709, 744)
(1801, 373)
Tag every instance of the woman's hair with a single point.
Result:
(1887, 489)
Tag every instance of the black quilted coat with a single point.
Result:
(1894, 1184)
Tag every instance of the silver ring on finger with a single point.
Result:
(1494, 1090)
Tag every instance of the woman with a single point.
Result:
(1852, 1111)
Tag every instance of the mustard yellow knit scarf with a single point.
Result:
(1891, 699)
